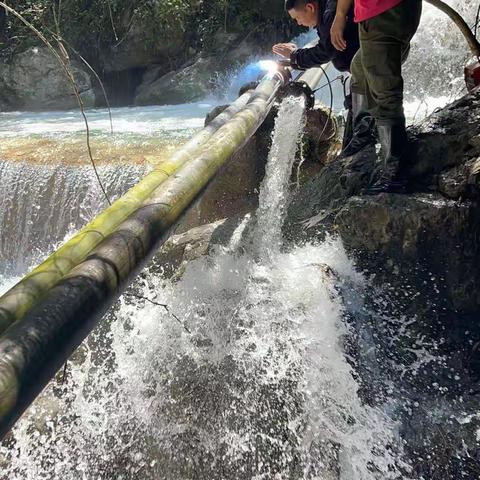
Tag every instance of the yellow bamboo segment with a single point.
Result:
(20, 298)
(33, 348)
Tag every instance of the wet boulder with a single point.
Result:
(142, 46)
(178, 250)
(35, 80)
(434, 228)
(424, 235)
(188, 84)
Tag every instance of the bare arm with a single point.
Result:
(338, 26)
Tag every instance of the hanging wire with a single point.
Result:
(329, 119)
(340, 77)
(163, 305)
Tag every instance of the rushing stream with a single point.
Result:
(251, 370)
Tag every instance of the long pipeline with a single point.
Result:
(34, 348)
(21, 297)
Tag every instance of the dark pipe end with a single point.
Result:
(297, 89)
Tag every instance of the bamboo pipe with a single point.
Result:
(461, 24)
(21, 297)
(34, 348)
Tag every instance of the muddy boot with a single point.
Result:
(387, 176)
(362, 132)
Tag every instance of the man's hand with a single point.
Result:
(284, 49)
(336, 32)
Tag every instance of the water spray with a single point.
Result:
(472, 69)
(292, 87)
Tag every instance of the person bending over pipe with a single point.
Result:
(385, 29)
(320, 14)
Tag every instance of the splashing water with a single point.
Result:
(244, 377)
(434, 70)
(41, 204)
(273, 195)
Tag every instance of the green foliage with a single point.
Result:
(93, 23)
(92, 26)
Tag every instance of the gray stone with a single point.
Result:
(180, 249)
(35, 80)
(182, 86)
(459, 181)
(140, 49)
(446, 139)
(395, 236)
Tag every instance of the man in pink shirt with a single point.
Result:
(385, 29)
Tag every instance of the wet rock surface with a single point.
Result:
(35, 80)
(180, 249)
(418, 331)
(415, 331)
(188, 84)
(435, 226)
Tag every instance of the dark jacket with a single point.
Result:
(324, 51)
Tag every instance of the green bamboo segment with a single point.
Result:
(35, 347)
(20, 298)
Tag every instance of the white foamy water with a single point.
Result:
(140, 121)
(433, 72)
(273, 195)
(243, 376)
(246, 375)
(42, 204)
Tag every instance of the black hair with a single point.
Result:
(290, 4)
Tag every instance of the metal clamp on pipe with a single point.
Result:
(284, 71)
(295, 88)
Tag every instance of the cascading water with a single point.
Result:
(43, 204)
(272, 200)
(249, 371)
(243, 375)
(49, 189)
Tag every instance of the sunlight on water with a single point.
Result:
(147, 121)
(142, 135)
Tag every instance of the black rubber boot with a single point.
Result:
(387, 176)
(362, 133)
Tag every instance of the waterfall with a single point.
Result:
(41, 205)
(246, 373)
(242, 376)
(273, 194)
